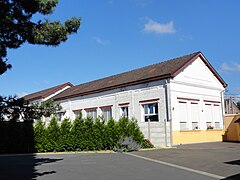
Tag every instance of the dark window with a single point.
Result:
(151, 112)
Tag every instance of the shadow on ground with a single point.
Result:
(236, 176)
(23, 167)
(235, 162)
(233, 177)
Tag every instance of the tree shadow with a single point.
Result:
(23, 167)
(235, 162)
(236, 176)
(15, 138)
(233, 177)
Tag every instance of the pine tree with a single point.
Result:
(17, 26)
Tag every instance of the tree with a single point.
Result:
(14, 109)
(17, 26)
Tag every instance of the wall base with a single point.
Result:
(196, 136)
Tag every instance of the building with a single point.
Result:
(175, 102)
(230, 106)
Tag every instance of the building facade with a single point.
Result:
(175, 102)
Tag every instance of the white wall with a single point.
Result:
(131, 95)
(198, 85)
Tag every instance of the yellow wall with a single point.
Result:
(196, 136)
(232, 130)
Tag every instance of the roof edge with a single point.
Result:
(206, 62)
(58, 88)
(51, 92)
(116, 86)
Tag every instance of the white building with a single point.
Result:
(175, 101)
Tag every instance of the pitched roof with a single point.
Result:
(46, 92)
(162, 70)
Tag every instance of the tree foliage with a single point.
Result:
(85, 134)
(17, 26)
(14, 109)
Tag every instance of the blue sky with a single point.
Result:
(121, 35)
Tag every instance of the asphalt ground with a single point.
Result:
(196, 161)
(219, 158)
(89, 166)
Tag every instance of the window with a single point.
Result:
(194, 113)
(209, 125)
(217, 125)
(183, 115)
(195, 125)
(60, 116)
(150, 112)
(107, 113)
(183, 125)
(217, 115)
(124, 111)
(92, 113)
(77, 113)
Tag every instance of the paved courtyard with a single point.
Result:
(199, 162)
(220, 158)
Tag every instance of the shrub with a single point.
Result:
(129, 128)
(84, 134)
(40, 138)
(111, 135)
(127, 144)
(147, 144)
(99, 131)
(77, 134)
(53, 134)
(65, 139)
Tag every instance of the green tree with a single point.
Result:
(40, 137)
(17, 26)
(77, 133)
(45, 108)
(14, 109)
(53, 135)
(65, 135)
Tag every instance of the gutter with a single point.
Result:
(168, 110)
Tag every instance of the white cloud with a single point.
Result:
(100, 41)
(230, 67)
(158, 28)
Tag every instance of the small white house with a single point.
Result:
(176, 101)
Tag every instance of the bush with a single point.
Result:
(65, 139)
(40, 136)
(129, 128)
(77, 134)
(84, 134)
(53, 134)
(127, 144)
(147, 144)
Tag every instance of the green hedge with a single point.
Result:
(84, 134)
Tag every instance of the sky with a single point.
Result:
(120, 35)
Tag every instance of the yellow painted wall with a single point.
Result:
(196, 136)
(232, 130)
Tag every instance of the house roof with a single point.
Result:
(46, 92)
(162, 70)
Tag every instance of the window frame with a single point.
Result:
(77, 112)
(103, 108)
(122, 106)
(155, 111)
(91, 110)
